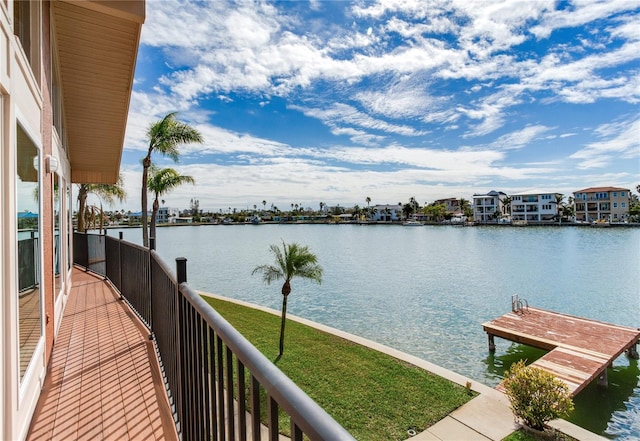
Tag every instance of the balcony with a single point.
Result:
(130, 365)
(103, 380)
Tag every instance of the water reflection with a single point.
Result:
(611, 411)
(497, 364)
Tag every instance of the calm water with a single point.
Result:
(427, 290)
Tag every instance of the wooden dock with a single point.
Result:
(581, 349)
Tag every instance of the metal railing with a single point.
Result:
(28, 262)
(217, 382)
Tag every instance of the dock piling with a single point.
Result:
(603, 380)
(632, 352)
(492, 343)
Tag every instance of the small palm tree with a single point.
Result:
(559, 206)
(506, 205)
(291, 261)
(161, 182)
(106, 192)
(164, 137)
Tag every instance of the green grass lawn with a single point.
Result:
(373, 395)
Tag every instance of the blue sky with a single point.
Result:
(337, 101)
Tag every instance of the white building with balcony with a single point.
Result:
(535, 206)
(167, 215)
(488, 207)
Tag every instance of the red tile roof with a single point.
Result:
(598, 189)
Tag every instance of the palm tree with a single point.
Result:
(106, 192)
(164, 137)
(293, 260)
(463, 204)
(506, 205)
(559, 206)
(161, 181)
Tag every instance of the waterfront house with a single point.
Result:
(452, 205)
(386, 213)
(610, 204)
(167, 215)
(534, 206)
(488, 207)
(65, 82)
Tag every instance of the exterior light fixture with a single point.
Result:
(51, 164)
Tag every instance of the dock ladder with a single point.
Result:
(518, 305)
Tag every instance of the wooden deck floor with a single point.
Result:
(103, 380)
(581, 349)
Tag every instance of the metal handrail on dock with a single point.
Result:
(518, 305)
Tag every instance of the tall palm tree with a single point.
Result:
(164, 137)
(162, 181)
(293, 260)
(106, 192)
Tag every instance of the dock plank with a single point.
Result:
(581, 349)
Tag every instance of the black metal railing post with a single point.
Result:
(181, 407)
(120, 238)
(181, 269)
(152, 247)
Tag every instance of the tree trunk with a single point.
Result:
(282, 323)
(152, 230)
(146, 162)
(82, 204)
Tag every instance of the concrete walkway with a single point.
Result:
(486, 417)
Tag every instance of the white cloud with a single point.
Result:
(622, 140)
(580, 13)
(341, 115)
(519, 139)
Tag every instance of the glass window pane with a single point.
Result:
(57, 234)
(28, 196)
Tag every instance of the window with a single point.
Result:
(57, 233)
(56, 103)
(28, 247)
(69, 223)
(615, 194)
(615, 205)
(622, 194)
(22, 24)
(25, 27)
(624, 205)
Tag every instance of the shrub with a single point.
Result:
(536, 395)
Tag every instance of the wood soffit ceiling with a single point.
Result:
(97, 44)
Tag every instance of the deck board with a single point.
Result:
(581, 349)
(103, 380)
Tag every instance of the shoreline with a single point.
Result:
(396, 224)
